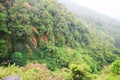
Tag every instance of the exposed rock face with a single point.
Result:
(16, 77)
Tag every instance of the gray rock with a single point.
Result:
(16, 77)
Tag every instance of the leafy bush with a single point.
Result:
(64, 74)
(39, 71)
(18, 59)
(115, 67)
(80, 72)
(30, 72)
(7, 71)
(54, 57)
(105, 74)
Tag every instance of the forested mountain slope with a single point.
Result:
(38, 24)
(106, 24)
(92, 16)
(45, 32)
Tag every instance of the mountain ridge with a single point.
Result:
(82, 9)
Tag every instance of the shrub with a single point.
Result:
(39, 71)
(115, 67)
(80, 72)
(31, 72)
(63, 74)
(8, 71)
(18, 59)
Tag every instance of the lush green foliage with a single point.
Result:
(115, 67)
(45, 32)
(3, 50)
(18, 59)
(106, 74)
(80, 72)
(31, 72)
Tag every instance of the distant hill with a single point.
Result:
(94, 19)
(89, 15)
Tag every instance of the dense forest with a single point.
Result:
(45, 40)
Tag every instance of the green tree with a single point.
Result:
(18, 58)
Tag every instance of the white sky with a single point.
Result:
(107, 7)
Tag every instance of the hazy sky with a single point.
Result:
(108, 7)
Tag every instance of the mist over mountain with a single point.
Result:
(94, 19)
(90, 15)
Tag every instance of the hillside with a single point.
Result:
(89, 16)
(106, 24)
(48, 42)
